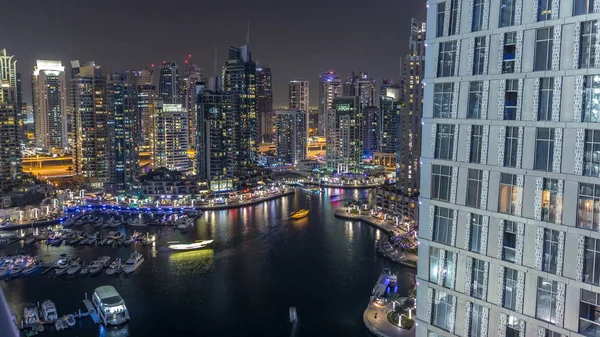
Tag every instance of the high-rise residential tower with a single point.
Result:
(50, 105)
(93, 124)
(191, 76)
(239, 85)
(389, 126)
(264, 103)
(146, 94)
(169, 86)
(509, 234)
(299, 95)
(10, 148)
(330, 87)
(214, 152)
(169, 142)
(291, 139)
(344, 135)
(123, 106)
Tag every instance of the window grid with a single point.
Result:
(475, 100)
(442, 100)
(476, 230)
(477, 23)
(545, 98)
(591, 261)
(551, 200)
(547, 292)
(507, 202)
(543, 49)
(479, 55)
(591, 99)
(587, 44)
(444, 142)
(476, 144)
(477, 288)
(474, 182)
(511, 143)
(544, 149)
(591, 153)
(509, 53)
(511, 95)
(550, 250)
(544, 10)
(509, 241)
(446, 59)
(442, 225)
(507, 13)
(588, 207)
(441, 177)
(510, 289)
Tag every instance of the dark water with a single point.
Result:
(260, 264)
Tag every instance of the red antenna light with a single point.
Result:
(186, 61)
(190, 55)
(152, 65)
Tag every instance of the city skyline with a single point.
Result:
(292, 44)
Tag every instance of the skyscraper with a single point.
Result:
(10, 149)
(191, 76)
(389, 104)
(509, 180)
(330, 87)
(146, 92)
(239, 85)
(50, 105)
(93, 140)
(169, 142)
(264, 103)
(214, 152)
(123, 106)
(344, 135)
(299, 95)
(169, 86)
(371, 130)
(291, 139)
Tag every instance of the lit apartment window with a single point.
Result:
(442, 100)
(444, 142)
(591, 99)
(479, 55)
(550, 250)
(513, 327)
(442, 225)
(441, 177)
(442, 268)
(507, 202)
(509, 52)
(474, 182)
(587, 40)
(551, 202)
(583, 7)
(545, 99)
(476, 229)
(507, 12)
(475, 100)
(476, 143)
(477, 23)
(591, 261)
(544, 10)
(511, 144)
(589, 311)
(547, 292)
(446, 59)
(544, 149)
(478, 274)
(442, 310)
(511, 93)
(509, 241)
(543, 49)
(510, 289)
(588, 207)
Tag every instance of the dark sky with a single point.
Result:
(298, 39)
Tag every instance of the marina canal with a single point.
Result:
(260, 263)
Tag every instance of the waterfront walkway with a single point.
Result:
(250, 202)
(375, 319)
(343, 186)
(395, 255)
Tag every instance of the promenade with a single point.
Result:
(375, 319)
(288, 191)
(385, 248)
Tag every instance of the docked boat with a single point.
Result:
(299, 214)
(148, 240)
(109, 242)
(29, 269)
(176, 245)
(110, 306)
(138, 223)
(60, 324)
(184, 223)
(74, 268)
(128, 241)
(135, 260)
(16, 270)
(70, 319)
(115, 267)
(104, 260)
(31, 315)
(96, 267)
(84, 270)
(49, 311)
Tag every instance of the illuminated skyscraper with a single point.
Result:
(264, 103)
(169, 137)
(299, 95)
(10, 147)
(330, 87)
(122, 101)
(191, 77)
(291, 135)
(50, 105)
(239, 85)
(93, 124)
(344, 135)
(169, 86)
(146, 92)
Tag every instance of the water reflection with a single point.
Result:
(192, 262)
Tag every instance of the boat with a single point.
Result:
(4, 271)
(60, 324)
(74, 268)
(293, 314)
(96, 267)
(16, 270)
(29, 270)
(49, 311)
(109, 242)
(102, 242)
(135, 260)
(184, 223)
(128, 241)
(110, 306)
(299, 214)
(70, 319)
(148, 240)
(31, 240)
(117, 236)
(84, 270)
(175, 245)
(31, 315)
(138, 223)
(114, 267)
(104, 260)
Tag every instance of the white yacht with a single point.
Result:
(135, 260)
(96, 267)
(49, 311)
(31, 314)
(110, 306)
(74, 268)
(175, 245)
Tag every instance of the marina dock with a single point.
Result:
(90, 309)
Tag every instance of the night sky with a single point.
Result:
(298, 39)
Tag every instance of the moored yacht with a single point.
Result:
(49, 311)
(110, 306)
(31, 314)
(134, 261)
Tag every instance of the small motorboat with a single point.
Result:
(29, 270)
(95, 267)
(84, 270)
(135, 260)
(74, 268)
(104, 260)
(70, 319)
(31, 315)
(128, 241)
(109, 242)
(176, 245)
(16, 270)
(60, 324)
(49, 311)
(299, 214)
